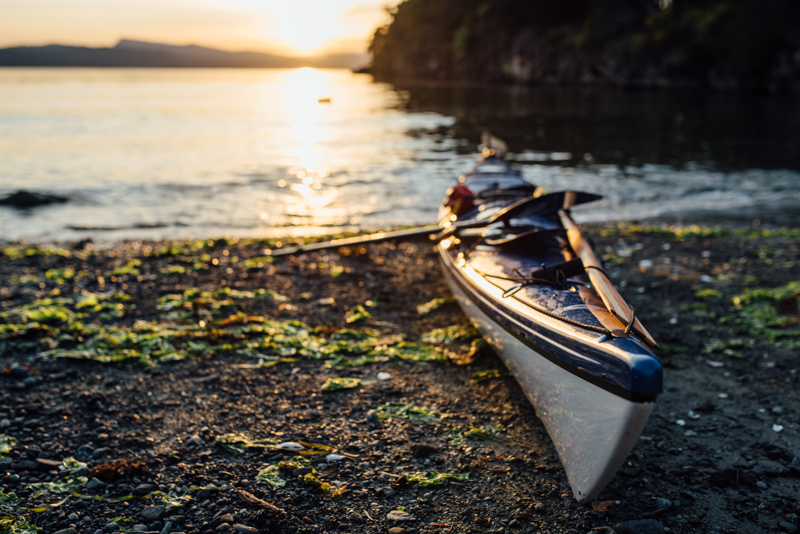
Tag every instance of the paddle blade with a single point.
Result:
(544, 205)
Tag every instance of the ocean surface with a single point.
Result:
(163, 153)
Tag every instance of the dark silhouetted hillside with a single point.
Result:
(129, 53)
(711, 43)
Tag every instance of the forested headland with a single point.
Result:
(743, 44)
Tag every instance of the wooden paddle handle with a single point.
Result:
(613, 301)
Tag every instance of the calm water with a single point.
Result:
(171, 153)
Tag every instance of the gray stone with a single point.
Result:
(640, 526)
(143, 489)
(762, 485)
(540, 508)
(397, 530)
(94, 484)
(244, 529)
(101, 452)
(156, 526)
(227, 518)
(788, 527)
(397, 515)
(112, 527)
(26, 465)
(152, 513)
(65, 531)
(167, 528)
(663, 504)
(140, 528)
(795, 466)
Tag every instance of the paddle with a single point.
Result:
(358, 240)
(531, 206)
(613, 301)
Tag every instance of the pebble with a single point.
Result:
(762, 485)
(788, 527)
(540, 508)
(663, 504)
(244, 529)
(640, 526)
(397, 515)
(167, 528)
(152, 513)
(143, 489)
(94, 484)
(112, 527)
(65, 531)
(227, 518)
(397, 530)
(155, 526)
(101, 452)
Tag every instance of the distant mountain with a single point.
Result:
(129, 53)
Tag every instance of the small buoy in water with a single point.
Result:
(324, 100)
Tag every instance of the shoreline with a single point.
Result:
(709, 460)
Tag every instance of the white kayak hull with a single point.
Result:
(593, 430)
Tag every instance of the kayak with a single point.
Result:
(529, 281)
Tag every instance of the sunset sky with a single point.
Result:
(296, 27)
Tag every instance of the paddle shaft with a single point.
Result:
(613, 301)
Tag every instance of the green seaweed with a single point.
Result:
(357, 315)
(238, 443)
(336, 384)
(426, 479)
(451, 334)
(297, 462)
(9, 501)
(405, 410)
(489, 374)
(6, 444)
(68, 484)
(708, 294)
(435, 304)
(270, 475)
(17, 525)
(458, 436)
(130, 268)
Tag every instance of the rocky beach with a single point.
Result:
(198, 387)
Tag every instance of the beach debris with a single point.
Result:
(405, 410)
(777, 428)
(693, 415)
(334, 458)
(357, 315)
(291, 446)
(428, 307)
(383, 376)
(426, 479)
(712, 363)
(339, 383)
(270, 475)
(117, 469)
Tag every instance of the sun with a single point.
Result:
(306, 25)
